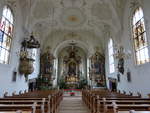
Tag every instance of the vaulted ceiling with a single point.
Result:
(47, 17)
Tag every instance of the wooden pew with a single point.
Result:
(34, 108)
(133, 111)
(111, 108)
(90, 97)
(16, 112)
(46, 105)
(13, 102)
(110, 104)
(95, 101)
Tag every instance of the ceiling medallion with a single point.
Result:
(72, 17)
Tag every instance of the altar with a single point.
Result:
(77, 70)
(72, 81)
(71, 68)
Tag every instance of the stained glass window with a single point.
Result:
(139, 37)
(111, 56)
(34, 53)
(6, 34)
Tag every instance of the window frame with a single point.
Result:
(110, 64)
(133, 38)
(11, 36)
(34, 56)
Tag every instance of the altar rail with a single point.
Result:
(72, 92)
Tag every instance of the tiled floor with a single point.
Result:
(73, 105)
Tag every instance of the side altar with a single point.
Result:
(97, 70)
(46, 76)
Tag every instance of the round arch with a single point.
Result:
(66, 43)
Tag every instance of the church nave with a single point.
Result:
(74, 56)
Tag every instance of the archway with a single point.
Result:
(71, 63)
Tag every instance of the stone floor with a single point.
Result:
(72, 105)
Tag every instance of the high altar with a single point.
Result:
(71, 68)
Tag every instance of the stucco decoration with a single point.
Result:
(102, 11)
(42, 11)
(74, 3)
(72, 17)
(134, 4)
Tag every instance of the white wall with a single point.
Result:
(139, 74)
(6, 71)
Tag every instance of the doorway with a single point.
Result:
(32, 84)
(112, 84)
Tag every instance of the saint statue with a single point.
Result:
(72, 68)
(121, 65)
(48, 61)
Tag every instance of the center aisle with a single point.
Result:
(73, 105)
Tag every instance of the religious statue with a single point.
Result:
(96, 63)
(72, 68)
(121, 65)
(121, 57)
(47, 61)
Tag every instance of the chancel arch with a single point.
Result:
(71, 62)
(65, 43)
(72, 66)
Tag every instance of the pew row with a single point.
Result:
(112, 102)
(35, 102)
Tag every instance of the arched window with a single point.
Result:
(34, 56)
(34, 53)
(111, 56)
(6, 34)
(139, 37)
